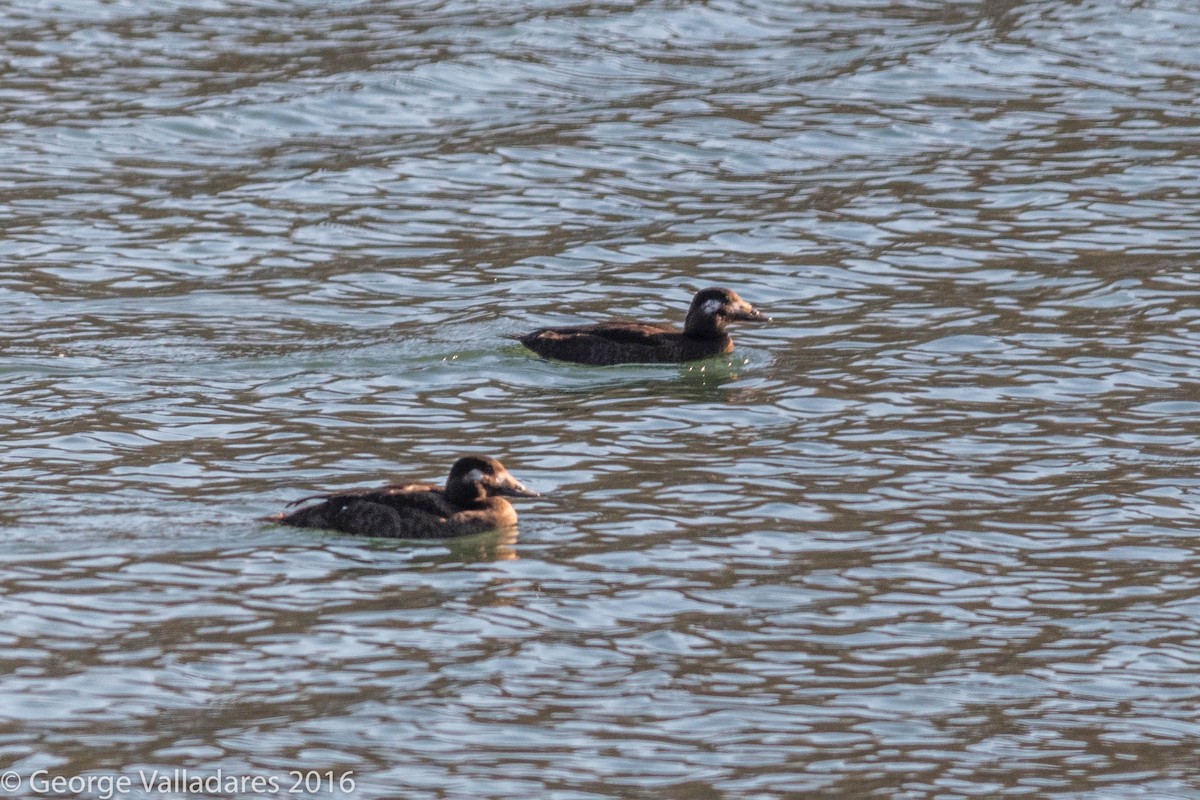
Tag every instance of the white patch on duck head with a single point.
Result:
(474, 476)
(711, 307)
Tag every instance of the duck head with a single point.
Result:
(712, 308)
(473, 478)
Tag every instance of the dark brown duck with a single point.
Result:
(472, 501)
(607, 343)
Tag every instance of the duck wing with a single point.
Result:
(629, 333)
(411, 510)
(606, 343)
(398, 491)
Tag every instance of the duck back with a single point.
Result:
(623, 343)
(411, 511)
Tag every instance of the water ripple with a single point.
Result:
(928, 534)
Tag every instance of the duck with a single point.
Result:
(609, 343)
(472, 501)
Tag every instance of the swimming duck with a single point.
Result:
(471, 502)
(608, 343)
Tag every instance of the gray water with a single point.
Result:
(929, 534)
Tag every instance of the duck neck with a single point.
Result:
(464, 494)
(699, 325)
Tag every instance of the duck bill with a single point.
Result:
(511, 487)
(742, 310)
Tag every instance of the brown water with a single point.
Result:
(931, 534)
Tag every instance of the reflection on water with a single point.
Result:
(928, 534)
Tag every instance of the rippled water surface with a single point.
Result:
(930, 534)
